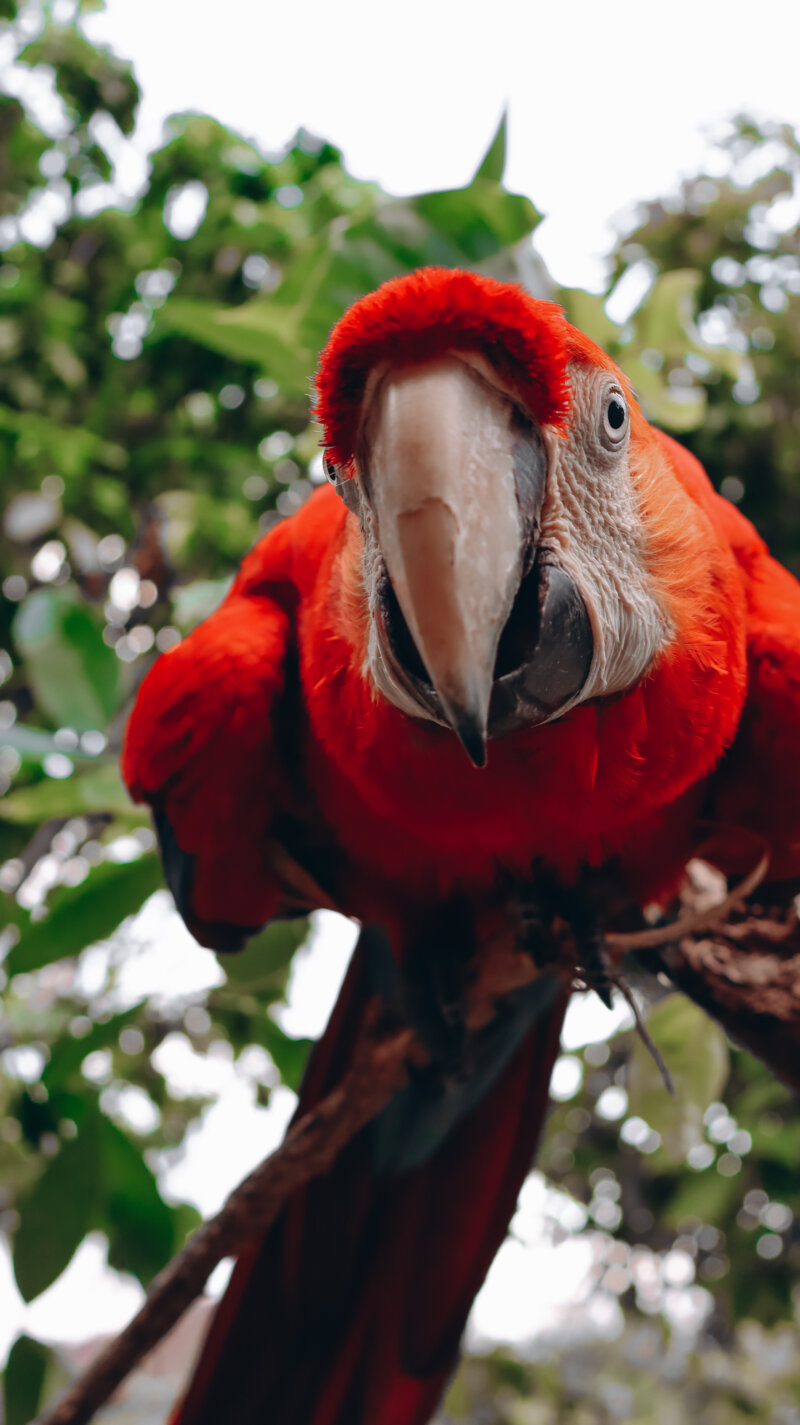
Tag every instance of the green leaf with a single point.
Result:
(68, 1053)
(74, 447)
(587, 312)
(667, 312)
(480, 220)
(259, 332)
(87, 77)
(707, 1196)
(24, 1379)
(97, 1180)
(31, 743)
(81, 915)
(194, 602)
(666, 323)
(265, 954)
(57, 1212)
(73, 673)
(679, 409)
(140, 1226)
(695, 1052)
(98, 789)
(782, 1147)
(493, 163)
(289, 1055)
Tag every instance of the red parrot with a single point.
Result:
(518, 630)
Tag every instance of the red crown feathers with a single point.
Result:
(433, 310)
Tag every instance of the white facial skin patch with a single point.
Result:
(592, 524)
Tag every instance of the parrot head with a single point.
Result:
(489, 452)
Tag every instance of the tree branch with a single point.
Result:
(694, 922)
(310, 1146)
(746, 975)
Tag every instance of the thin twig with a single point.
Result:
(644, 1034)
(687, 925)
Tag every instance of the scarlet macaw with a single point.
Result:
(510, 567)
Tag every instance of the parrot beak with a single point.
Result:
(437, 459)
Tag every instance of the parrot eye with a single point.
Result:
(615, 420)
(330, 469)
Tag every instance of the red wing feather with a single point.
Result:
(755, 793)
(200, 748)
(758, 785)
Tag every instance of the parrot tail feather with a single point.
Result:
(351, 1309)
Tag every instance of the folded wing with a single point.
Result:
(202, 748)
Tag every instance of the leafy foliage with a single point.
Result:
(735, 240)
(154, 419)
(29, 1365)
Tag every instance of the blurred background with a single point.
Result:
(165, 285)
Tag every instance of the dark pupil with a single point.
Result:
(616, 414)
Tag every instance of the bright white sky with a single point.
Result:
(607, 105)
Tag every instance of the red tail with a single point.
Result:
(351, 1310)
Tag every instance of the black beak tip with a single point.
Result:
(472, 739)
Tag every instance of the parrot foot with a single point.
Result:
(594, 966)
(583, 908)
